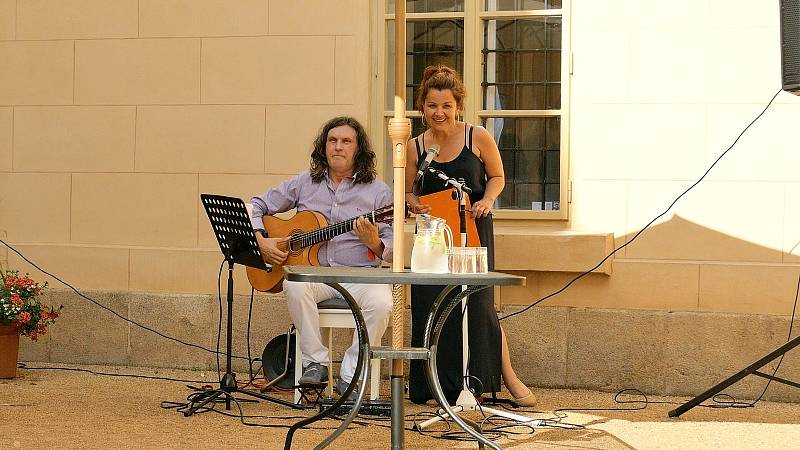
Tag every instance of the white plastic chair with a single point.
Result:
(334, 313)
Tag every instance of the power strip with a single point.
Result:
(380, 408)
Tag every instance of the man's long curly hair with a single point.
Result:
(364, 157)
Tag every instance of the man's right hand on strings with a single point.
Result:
(271, 249)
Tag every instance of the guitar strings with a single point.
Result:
(325, 233)
(329, 232)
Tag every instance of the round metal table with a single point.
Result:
(332, 276)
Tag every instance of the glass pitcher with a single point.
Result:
(431, 242)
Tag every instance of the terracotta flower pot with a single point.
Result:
(9, 351)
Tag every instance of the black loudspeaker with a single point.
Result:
(274, 362)
(790, 45)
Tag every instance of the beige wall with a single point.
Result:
(660, 90)
(116, 114)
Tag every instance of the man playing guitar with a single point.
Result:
(341, 185)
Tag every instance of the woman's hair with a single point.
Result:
(364, 158)
(440, 77)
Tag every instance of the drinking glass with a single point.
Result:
(481, 260)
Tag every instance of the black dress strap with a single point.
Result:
(469, 147)
(419, 148)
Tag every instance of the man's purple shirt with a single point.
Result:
(347, 201)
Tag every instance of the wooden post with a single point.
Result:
(399, 132)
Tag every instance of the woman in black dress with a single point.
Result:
(467, 152)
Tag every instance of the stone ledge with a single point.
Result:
(542, 250)
(552, 251)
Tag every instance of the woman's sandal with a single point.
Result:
(528, 400)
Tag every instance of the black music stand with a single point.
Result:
(231, 224)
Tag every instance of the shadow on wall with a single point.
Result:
(679, 238)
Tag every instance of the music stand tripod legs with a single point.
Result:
(228, 383)
(230, 222)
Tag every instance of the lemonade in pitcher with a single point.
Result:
(431, 242)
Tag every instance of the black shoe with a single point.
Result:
(341, 386)
(315, 373)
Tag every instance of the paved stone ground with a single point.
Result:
(71, 409)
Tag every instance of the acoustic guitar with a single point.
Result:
(307, 231)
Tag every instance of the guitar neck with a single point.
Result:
(326, 233)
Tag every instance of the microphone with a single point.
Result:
(432, 153)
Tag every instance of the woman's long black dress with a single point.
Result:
(484, 327)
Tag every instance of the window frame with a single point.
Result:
(473, 18)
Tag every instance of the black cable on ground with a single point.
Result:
(495, 432)
(640, 401)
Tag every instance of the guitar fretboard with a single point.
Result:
(326, 233)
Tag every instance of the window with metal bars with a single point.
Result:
(522, 71)
(432, 42)
(518, 57)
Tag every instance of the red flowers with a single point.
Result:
(20, 306)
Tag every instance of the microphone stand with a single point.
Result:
(466, 399)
